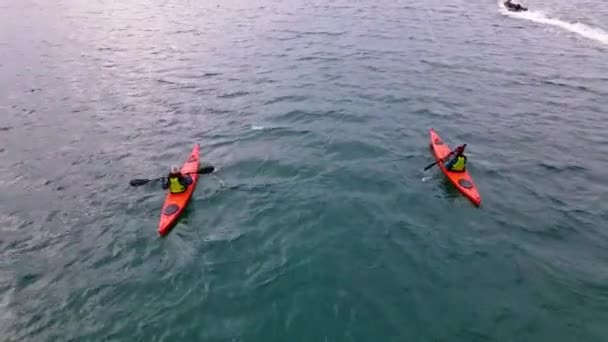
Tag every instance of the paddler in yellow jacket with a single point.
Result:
(177, 182)
(458, 162)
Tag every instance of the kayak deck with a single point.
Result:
(461, 180)
(175, 204)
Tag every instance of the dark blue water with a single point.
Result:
(320, 223)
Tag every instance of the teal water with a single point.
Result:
(319, 224)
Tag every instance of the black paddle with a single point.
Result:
(205, 169)
(444, 158)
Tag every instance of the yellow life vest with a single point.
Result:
(175, 187)
(459, 164)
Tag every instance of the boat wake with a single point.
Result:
(580, 29)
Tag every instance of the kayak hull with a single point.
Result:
(175, 204)
(461, 180)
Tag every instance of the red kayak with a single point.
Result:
(175, 204)
(461, 180)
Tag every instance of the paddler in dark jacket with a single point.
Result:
(458, 162)
(177, 182)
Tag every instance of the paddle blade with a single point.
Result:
(138, 182)
(205, 169)
(430, 166)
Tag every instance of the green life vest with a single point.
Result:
(459, 164)
(175, 187)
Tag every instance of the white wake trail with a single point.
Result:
(581, 29)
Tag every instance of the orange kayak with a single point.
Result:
(461, 180)
(175, 204)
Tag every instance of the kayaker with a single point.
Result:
(458, 162)
(177, 182)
